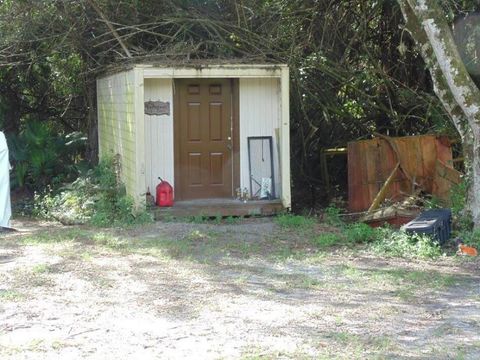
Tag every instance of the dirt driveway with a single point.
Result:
(249, 290)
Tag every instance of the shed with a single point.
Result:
(216, 132)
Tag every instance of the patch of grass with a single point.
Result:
(86, 256)
(32, 278)
(405, 293)
(360, 233)
(110, 241)
(282, 253)
(350, 271)
(382, 343)
(196, 244)
(103, 282)
(332, 216)
(232, 220)
(174, 248)
(40, 280)
(346, 343)
(348, 235)
(326, 240)
(406, 284)
(353, 346)
(197, 219)
(41, 269)
(242, 248)
(52, 237)
(419, 278)
(10, 295)
(258, 353)
(241, 279)
(303, 281)
(290, 221)
(308, 282)
(338, 320)
(458, 352)
(168, 218)
(68, 251)
(59, 344)
(196, 235)
(344, 337)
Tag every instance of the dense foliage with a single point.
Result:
(354, 71)
(98, 198)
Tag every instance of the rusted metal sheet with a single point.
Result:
(370, 162)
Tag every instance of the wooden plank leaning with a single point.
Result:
(381, 194)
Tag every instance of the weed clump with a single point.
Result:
(332, 216)
(401, 244)
(361, 233)
(326, 240)
(97, 198)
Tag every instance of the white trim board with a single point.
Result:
(220, 71)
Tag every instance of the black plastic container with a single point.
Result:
(436, 223)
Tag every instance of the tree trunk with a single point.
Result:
(426, 22)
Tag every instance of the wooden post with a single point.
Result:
(381, 194)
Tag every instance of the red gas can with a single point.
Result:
(164, 194)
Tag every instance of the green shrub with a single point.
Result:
(291, 221)
(360, 233)
(231, 220)
(71, 205)
(356, 233)
(401, 244)
(471, 238)
(98, 198)
(332, 216)
(462, 218)
(327, 240)
(458, 196)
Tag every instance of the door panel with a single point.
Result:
(216, 168)
(194, 169)
(194, 122)
(215, 118)
(203, 139)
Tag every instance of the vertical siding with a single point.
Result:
(116, 124)
(259, 116)
(159, 156)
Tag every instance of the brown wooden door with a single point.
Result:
(203, 139)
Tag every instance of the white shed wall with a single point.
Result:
(116, 123)
(259, 116)
(159, 137)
